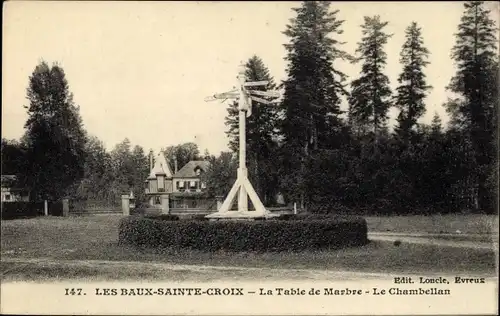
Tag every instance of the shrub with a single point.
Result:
(258, 236)
(199, 217)
(13, 210)
(163, 217)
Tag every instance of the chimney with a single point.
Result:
(151, 160)
(175, 164)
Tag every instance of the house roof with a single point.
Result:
(160, 167)
(189, 169)
(8, 179)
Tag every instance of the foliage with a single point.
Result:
(14, 160)
(97, 179)
(221, 174)
(261, 133)
(412, 87)
(369, 100)
(54, 137)
(15, 210)
(258, 236)
(183, 153)
(313, 89)
(476, 86)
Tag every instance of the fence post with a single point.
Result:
(65, 207)
(165, 200)
(295, 208)
(220, 200)
(126, 204)
(45, 208)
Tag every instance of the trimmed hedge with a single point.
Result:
(257, 236)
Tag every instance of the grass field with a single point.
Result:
(95, 238)
(438, 224)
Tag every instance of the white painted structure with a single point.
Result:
(242, 187)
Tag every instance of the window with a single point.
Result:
(192, 184)
(198, 171)
(180, 185)
(161, 183)
(203, 185)
(157, 200)
(7, 197)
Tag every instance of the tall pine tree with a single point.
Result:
(412, 89)
(55, 135)
(476, 84)
(314, 87)
(313, 90)
(369, 100)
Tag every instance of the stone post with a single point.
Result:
(45, 208)
(165, 207)
(126, 204)
(220, 200)
(65, 207)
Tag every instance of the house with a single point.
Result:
(178, 190)
(11, 192)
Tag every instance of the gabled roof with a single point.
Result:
(8, 180)
(8, 177)
(160, 167)
(189, 169)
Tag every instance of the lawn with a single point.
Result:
(436, 224)
(95, 238)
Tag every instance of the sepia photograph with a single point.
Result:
(250, 158)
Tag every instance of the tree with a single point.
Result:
(220, 174)
(98, 173)
(13, 156)
(123, 168)
(436, 126)
(55, 135)
(184, 153)
(369, 100)
(261, 132)
(412, 87)
(140, 163)
(313, 89)
(476, 87)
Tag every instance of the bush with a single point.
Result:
(163, 217)
(13, 210)
(259, 236)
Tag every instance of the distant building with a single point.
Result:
(182, 189)
(11, 192)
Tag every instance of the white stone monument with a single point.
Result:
(242, 186)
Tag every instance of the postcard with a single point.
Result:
(249, 158)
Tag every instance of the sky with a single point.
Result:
(142, 70)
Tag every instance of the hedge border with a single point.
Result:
(244, 236)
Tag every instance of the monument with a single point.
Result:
(242, 186)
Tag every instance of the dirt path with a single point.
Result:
(101, 269)
(433, 239)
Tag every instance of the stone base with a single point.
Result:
(236, 215)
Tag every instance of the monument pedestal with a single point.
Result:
(244, 190)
